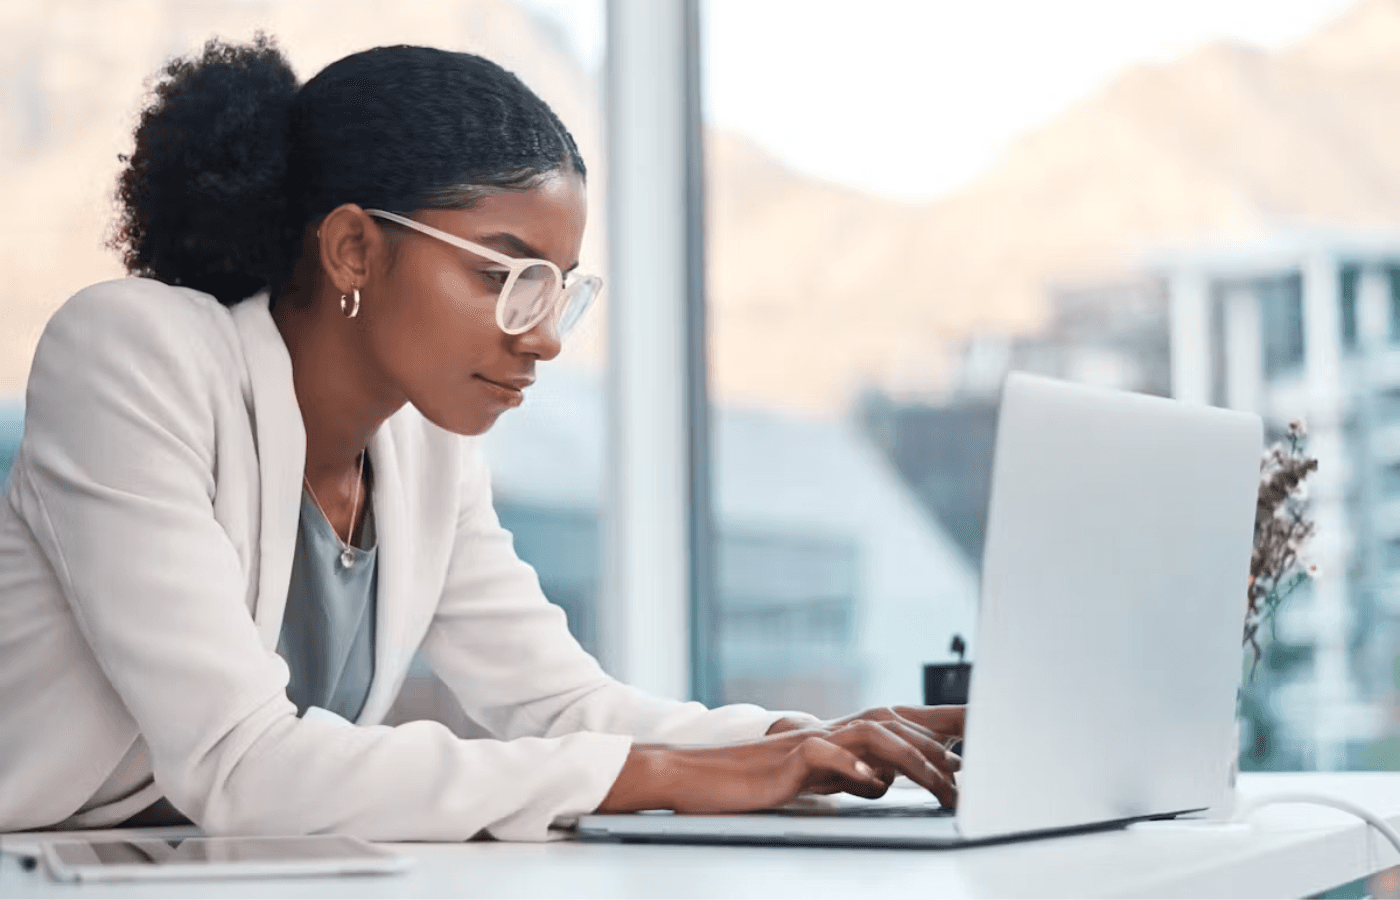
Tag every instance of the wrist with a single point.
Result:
(647, 780)
(794, 723)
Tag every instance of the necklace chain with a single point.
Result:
(347, 553)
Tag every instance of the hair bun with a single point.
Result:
(203, 192)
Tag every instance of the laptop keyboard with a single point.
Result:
(874, 811)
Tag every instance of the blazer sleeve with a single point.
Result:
(507, 654)
(115, 481)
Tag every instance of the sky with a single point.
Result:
(913, 99)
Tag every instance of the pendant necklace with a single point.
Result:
(347, 553)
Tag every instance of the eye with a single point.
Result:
(496, 277)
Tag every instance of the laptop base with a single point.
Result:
(769, 829)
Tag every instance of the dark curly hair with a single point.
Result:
(232, 161)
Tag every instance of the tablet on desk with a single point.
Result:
(142, 858)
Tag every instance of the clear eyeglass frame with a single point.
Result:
(533, 289)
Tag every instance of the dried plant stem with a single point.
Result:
(1281, 532)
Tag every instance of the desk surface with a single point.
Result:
(1283, 851)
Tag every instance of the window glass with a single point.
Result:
(1393, 277)
(1350, 278)
(906, 204)
(1281, 311)
(11, 429)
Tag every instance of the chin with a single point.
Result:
(469, 424)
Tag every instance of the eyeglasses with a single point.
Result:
(533, 287)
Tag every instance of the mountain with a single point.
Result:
(816, 292)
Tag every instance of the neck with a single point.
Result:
(342, 401)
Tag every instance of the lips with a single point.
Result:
(515, 385)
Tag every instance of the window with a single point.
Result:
(1350, 277)
(1281, 313)
(880, 254)
(11, 430)
(1393, 277)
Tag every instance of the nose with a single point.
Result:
(542, 341)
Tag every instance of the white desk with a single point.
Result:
(1287, 851)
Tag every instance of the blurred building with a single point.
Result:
(943, 452)
(1307, 325)
(1301, 324)
(1111, 334)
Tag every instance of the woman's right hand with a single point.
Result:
(859, 757)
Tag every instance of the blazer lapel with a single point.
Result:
(391, 624)
(281, 443)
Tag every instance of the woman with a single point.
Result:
(249, 490)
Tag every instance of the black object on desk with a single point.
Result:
(946, 683)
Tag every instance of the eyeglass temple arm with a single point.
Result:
(452, 239)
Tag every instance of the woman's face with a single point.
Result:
(430, 318)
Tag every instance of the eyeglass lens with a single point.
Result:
(577, 299)
(529, 297)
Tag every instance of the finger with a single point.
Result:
(824, 761)
(926, 732)
(947, 720)
(880, 745)
(889, 714)
(876, 714)
(934, 750)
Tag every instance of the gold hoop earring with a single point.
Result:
(351, 309)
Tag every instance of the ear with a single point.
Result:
(350, 247)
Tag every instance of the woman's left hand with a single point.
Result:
(941, 725)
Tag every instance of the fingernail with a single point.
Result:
(864, 770)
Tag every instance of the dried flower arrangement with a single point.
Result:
(1281, 531)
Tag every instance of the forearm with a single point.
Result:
(660, 776)
(698, 779)
(664, 776)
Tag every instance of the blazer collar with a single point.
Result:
(281, 443)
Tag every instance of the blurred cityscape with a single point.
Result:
(1224, 228)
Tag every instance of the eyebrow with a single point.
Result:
(511, 242)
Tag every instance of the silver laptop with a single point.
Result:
(1108, 646)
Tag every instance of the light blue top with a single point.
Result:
(328, 628)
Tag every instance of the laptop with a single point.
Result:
(1113, 589)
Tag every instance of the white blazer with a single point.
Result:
(145, 553)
